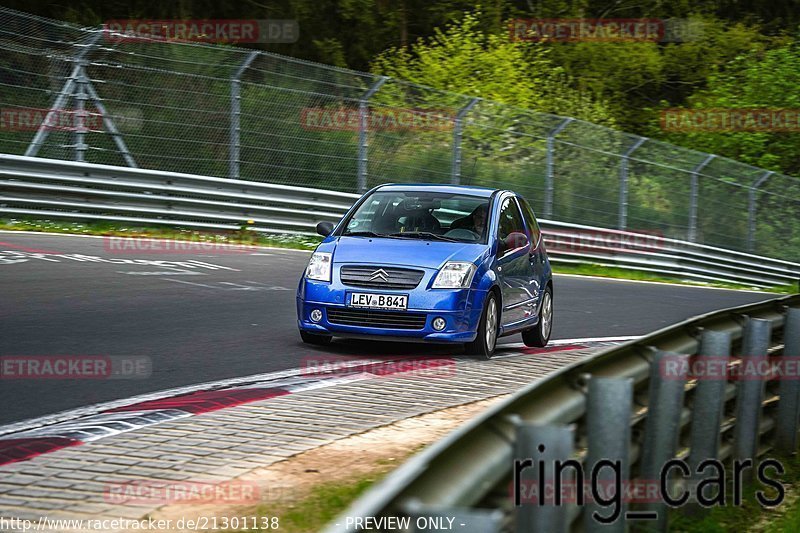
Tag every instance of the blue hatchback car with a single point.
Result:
(431, 263)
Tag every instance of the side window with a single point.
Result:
(510, 218)
(530, 220)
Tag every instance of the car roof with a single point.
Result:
(484, 192)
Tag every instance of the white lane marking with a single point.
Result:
(623, 338)
(564, 342)
(677, 284)
(192, 283)
(253, 288)
(582, 340)
(165, 273)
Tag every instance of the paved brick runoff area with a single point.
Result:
(131, 475)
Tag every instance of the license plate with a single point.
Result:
(379, 301)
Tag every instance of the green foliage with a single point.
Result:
(759, 79)
(464, 59)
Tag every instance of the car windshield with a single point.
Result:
(421, 215)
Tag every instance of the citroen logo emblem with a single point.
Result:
(379, 274)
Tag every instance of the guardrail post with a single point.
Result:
(752, 200)
(236, 114)
(708, 401)
(543, 445)
(63, 95)
(668, 373)
(363, 121)
(789, 389)
(550, 170)
(750, 393)
(623, 183)
(458, 127)
(608, 424)
(692, 237)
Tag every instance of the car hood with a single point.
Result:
(407, 252)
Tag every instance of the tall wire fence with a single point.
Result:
(89, 95)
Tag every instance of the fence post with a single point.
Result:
(692, 237)
(110, 126)
(623, 183)
(80, 115)
(708, 402)
(236, 114)
(543, 445)
(363, 119)
(63, 95)
(789, 389)
(549, 171)
(752, 200)
(608, 424)
(458, 125)
(662, 426)
(750, 393)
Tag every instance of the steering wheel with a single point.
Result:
(463, 233)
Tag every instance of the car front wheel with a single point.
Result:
(539, 335)
(486, 339)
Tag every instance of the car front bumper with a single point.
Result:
(460, 308)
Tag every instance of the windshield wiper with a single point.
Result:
(423, 235)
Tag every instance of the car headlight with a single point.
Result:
(454, 275)
(319, 267)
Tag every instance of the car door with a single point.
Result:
(514, 268)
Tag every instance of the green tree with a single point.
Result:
(463, 58)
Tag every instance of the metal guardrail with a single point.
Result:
(617, 405)
(50, 188)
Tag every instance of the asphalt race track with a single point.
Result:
(211, 316)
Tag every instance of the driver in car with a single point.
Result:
(475, 221)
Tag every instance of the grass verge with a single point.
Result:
(320, 506)
(307, 242)
(242, 236)
(638, 275)
(751, 516)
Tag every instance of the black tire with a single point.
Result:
(539, 335)
(484, 344)
(312, 338)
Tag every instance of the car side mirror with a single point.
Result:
(325, 228)
(517, 239)
(514, 241)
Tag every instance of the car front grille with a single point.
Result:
(378, 277)
(376, 319)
